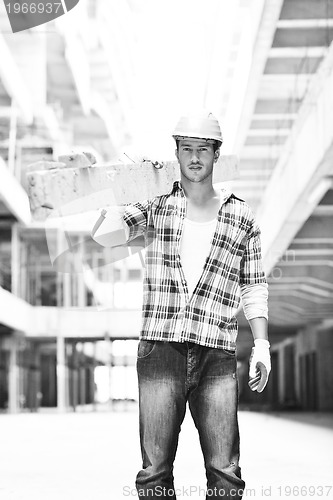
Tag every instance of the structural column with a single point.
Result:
(15, 261)
(13, 405)
(61, 373)
(74, 380)
(93, 368)
(82, 375)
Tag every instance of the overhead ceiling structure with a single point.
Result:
(82, 89)
(169, 57)
(60, 83)
(285, 145)
(292, 41)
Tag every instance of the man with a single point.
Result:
(202, 254)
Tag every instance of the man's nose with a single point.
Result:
(194, 157)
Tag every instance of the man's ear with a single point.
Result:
(177, 154)
(216, 155)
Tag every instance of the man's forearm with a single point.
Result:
(259, 328)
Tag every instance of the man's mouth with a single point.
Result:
(195, 167)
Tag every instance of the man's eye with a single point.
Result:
(186, 149)
(203, 149)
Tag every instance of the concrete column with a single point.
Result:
(74, 376)
(23, 271)
(33, 385)
(67, 374)
(281, 374)
(61, 373)
(109, 364)
(15, 260)
(60, 276)
(324, 369)
(38, 275)
(94, 364)
(81, 292)
(12, 138)
(13, 403)
(82, 374)
(67, 290)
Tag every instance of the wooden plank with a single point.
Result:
(83, 186)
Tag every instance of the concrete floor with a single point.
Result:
(90, 456)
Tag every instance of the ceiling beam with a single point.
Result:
(287, 87)
(269, 132)
(308, 280)
(274, 116)
(312, 241)
(301, 176)
(303, 293)
(265, 36)
(304, 23)
(297, 52)
(324, 210)
(267, 151)
(311, 251)
(303, 262)
(254, 173)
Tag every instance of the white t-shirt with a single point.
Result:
(195, 245)
(194, 249)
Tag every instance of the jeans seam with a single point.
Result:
(149, 353)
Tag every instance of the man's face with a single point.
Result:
(196, 159)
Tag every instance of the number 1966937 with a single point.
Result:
(33, 8)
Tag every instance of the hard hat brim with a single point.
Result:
(210, 140)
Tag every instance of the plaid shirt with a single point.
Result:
(208, 316)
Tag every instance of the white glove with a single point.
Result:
(260, 365)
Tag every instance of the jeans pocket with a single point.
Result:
(145, 347)
(229, 352)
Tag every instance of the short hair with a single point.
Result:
(215, 145)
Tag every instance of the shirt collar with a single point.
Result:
(225, 193)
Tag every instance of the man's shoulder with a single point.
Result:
(233, 196)
(168, 197)
(238, 203)
(241, 207)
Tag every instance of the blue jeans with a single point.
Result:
(169, 375)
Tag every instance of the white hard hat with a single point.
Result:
(201, 125)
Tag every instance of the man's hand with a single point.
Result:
(260, 365)
(156, 163)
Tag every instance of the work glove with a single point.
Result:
(260, 365)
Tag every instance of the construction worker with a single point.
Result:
(202, 255)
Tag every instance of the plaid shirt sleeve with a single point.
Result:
(136, 216)
(251, 270)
